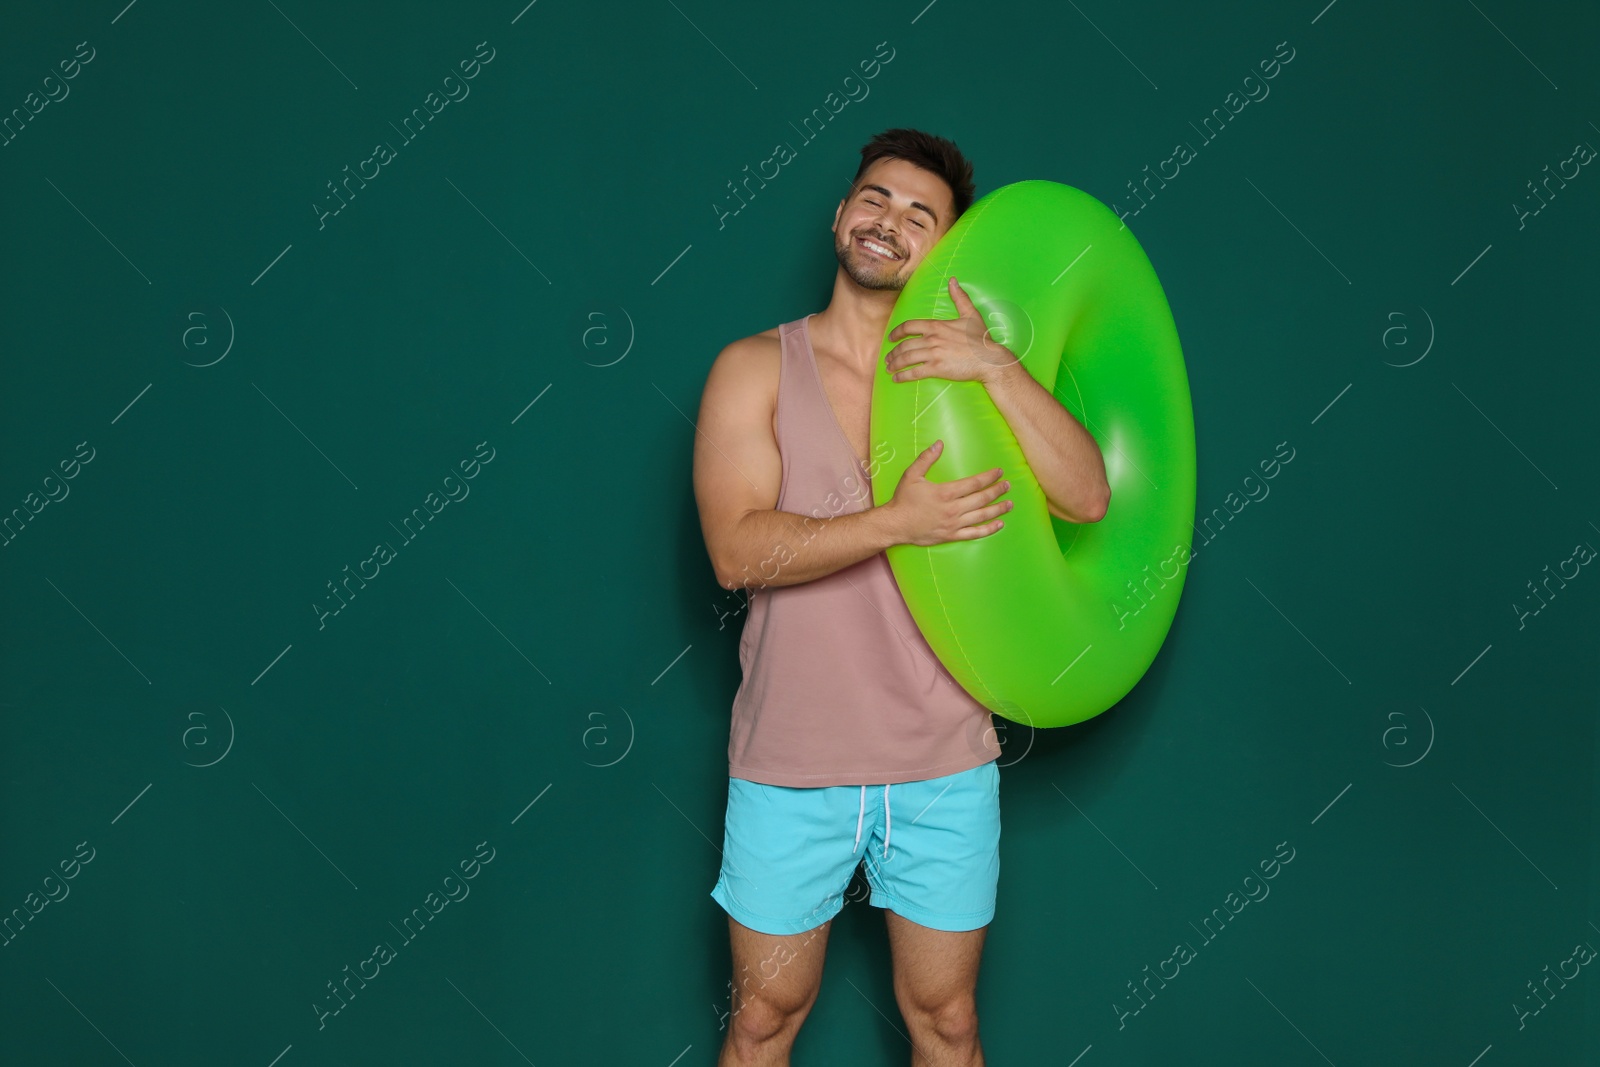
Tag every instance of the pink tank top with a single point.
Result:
(840, 687)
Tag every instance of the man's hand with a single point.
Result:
(930, 513)
(1060, 452)
(958, 349)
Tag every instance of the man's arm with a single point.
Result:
(737, 474)
(1064, 456)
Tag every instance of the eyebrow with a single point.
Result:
(915, 203)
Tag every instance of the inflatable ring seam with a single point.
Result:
(933, 574)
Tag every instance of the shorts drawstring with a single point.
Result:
(859, 816)
(885, 822)
(862, 814)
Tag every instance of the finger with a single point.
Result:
(898, 362)
(959, 295)
(910, 344)
(906, 359)
(926, 458)
(972, 533)
(976, 482)
(990, 513)
(998, 489)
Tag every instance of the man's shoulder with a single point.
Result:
(754, 357)
(765, 343)
(745, 373)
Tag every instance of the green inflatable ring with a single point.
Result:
(1048, 622)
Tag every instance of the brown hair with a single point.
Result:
(927, 151)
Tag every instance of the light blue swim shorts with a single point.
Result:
(931, 848)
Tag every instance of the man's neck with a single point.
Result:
(852, 324)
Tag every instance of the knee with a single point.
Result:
(758, 1019)
(957, 1021)
(954, 1020)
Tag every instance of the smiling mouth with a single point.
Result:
(878, 249)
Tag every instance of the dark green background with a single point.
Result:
(557, 636)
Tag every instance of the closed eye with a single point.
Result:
(918, 225)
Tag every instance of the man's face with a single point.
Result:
(898, 207)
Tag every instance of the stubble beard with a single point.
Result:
(880, 275)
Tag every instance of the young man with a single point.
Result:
(840, 690)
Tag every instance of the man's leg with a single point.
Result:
(935, 983)
(935, 870)
(775, 982)
(788, 854)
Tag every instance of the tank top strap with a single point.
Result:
(806, 422)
